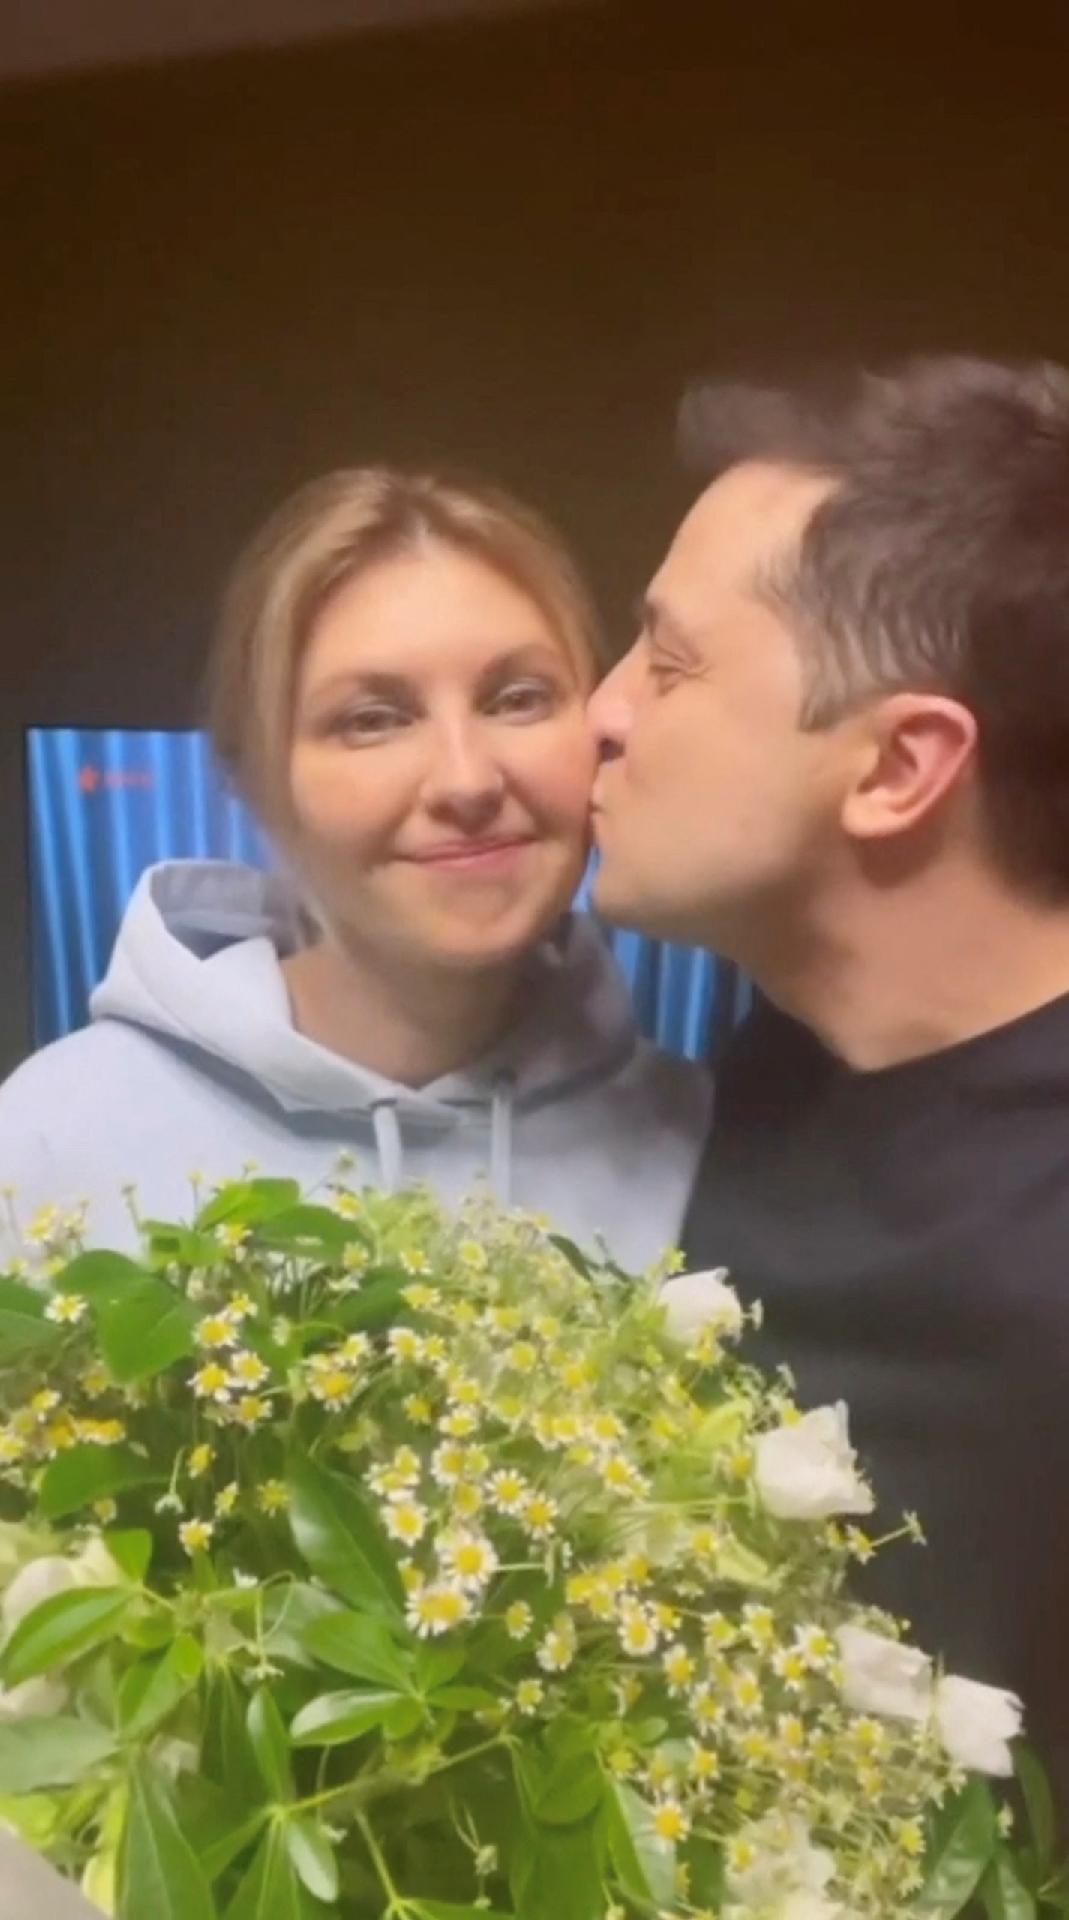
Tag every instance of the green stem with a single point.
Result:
(396, 1903)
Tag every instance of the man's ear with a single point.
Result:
(918, 748)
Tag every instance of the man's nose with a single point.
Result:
(610, 710)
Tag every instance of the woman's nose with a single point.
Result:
(464, 779)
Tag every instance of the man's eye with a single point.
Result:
(664, 672)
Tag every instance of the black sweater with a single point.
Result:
(908, 1232)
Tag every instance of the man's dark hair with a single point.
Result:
(940, 560)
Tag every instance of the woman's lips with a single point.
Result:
(473, 856)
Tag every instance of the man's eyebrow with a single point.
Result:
(651, 614)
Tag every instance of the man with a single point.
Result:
(839, 754)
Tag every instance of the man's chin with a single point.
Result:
(628, 905)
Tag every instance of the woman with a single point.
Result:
(398, 687)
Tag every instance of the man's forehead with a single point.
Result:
(754, 512)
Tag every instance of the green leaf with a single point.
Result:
(1039, 1804)
(573, 1254)
(131, 1550)
(341, 1541)
(378, 1304)
(147, 1330)
(101, 1277)
(54, 1751)
(287, 1611)
(226, 1750)
(557, 1871)
(644, 1869)
(403, 1719)
(436, 1666)
(159, 1873)
(462, 1699)
(314, 1233)
(152, 1689)
(61, 1627)
(446, 1910)
(333, 1718)
(312, 1856)
(358, 1644)
(270, 1889)
(23, 1327)
(561, 1791)
(1003, 1893)
(82, 1474)
(170, 1246)
(217, 1824)
(961, 1849)
(270, 1744)
(246, 1203)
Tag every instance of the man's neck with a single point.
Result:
(408, 1025)
(894, 979)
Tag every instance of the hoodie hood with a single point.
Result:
(197, 965)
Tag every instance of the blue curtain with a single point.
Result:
(104, 803)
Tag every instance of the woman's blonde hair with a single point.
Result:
(324, 534)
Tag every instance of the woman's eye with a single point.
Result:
(527, 699)
(369, 723)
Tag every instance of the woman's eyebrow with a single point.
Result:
(531, 655)
(356, 680)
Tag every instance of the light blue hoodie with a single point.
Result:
(192, 1062)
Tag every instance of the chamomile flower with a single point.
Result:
(670, 1823)
(212, 1382)
(539, 1515)
(558, 1646)
(200, 1459)
(508, 1490)
(66, 1309)
(436, 1608)
(529, 1696)
(637, 1630)
(468, 1558)
(679, 1669)
(247, 1369)
(416, 1261)
(518, 1620)
(250, 1410)
(447, 1463)
(217, 1330)
(272, 1496)
(195, 1536)
(405, 1343)
(405, 1519)
(226, 1499)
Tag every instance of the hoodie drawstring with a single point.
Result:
(388, 1143)
(501, 1139)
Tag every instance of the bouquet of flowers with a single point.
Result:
(358, 1558)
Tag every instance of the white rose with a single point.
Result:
(977, 1723)
(49, 1574)
(39, 1580)
(694, 1301)
(33, 1698)
(808, 1470)
(883, 1676)
(787, 1866)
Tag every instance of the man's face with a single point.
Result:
(713, 808)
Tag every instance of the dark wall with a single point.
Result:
(505, 245)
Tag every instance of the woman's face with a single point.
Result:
(440, 767)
